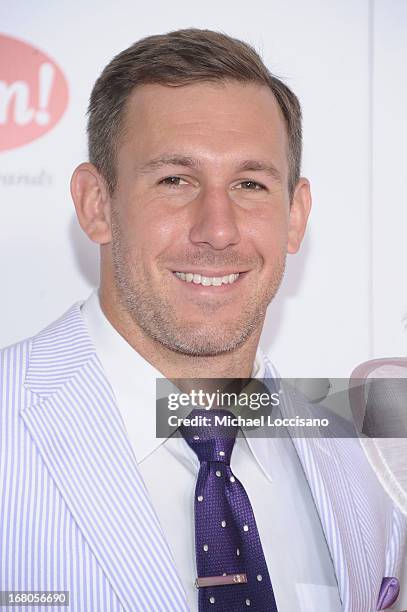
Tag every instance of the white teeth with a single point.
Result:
(207, 281)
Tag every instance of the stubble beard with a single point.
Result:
(158, 318)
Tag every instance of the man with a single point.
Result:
(193, 191)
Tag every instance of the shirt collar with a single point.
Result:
(132, 378)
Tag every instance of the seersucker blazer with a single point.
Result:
(75, 514)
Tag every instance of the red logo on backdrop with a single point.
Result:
(33, 93)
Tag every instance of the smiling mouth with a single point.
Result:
(208, 281)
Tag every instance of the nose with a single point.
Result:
(214, 220)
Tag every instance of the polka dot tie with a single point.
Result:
(226, 538)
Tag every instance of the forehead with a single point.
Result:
(207, 117)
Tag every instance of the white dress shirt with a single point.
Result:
(294, 545)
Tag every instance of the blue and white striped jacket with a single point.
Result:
(75, 514)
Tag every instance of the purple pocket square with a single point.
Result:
(389, 591)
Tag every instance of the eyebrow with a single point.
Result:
(246, 165)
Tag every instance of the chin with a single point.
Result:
(209, 341)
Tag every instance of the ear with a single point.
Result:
(92, 202)
(299, 210)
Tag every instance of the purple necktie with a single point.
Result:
(232, 570)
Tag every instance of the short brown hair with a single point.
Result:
(180, 58)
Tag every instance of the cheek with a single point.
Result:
(151, 234)
(269, 232)
(161, 232)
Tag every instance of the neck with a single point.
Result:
(172, 364)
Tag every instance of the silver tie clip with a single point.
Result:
(209, 581)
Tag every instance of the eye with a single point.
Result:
(172, 181)
(251, 186)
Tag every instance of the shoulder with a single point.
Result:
(14, 362)
(36, 355)
(305, 398)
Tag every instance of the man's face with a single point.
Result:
(201, 194)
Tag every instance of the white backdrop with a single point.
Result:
(344, 296)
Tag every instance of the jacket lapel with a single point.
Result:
(79, 433)
(354, 513)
